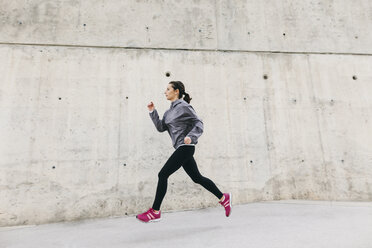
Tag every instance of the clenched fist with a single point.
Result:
(151, 106)
(187, 140)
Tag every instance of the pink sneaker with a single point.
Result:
(149, 216)
(227, 204)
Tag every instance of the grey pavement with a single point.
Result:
(272, 224)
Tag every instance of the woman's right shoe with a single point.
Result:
(149, 216)
(227, 204)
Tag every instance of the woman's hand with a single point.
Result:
(187, 140)
(151, 106)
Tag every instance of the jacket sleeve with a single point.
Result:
(159, 124)
(197, 124)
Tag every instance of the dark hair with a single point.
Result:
(179, 85)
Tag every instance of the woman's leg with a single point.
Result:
(191, 169)
(175, 161)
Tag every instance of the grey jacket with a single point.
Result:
(180, 120)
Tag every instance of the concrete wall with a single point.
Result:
(77, 141)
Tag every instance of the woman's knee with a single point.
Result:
(197, 179)
(162, 175)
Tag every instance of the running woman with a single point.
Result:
(184, 128)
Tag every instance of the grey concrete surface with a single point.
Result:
(281, 120)
(286, 25)
(76, 134)
(276, 224)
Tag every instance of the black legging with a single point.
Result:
(183, 156)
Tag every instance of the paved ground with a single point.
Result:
(284, 224)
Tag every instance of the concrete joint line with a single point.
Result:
(181, 49)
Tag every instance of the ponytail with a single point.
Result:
(186, 97)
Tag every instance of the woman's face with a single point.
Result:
(170, 93)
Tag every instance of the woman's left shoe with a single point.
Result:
(227, 204)
(149, 216)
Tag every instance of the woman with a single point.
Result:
(184, 128)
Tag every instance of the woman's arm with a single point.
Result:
(159, 124)
(197, 123)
